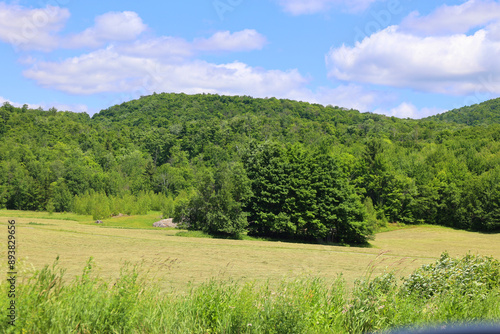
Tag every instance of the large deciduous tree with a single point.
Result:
(302, 195)
(217, 206)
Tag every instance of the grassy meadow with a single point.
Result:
(179, 260)
(164, 282)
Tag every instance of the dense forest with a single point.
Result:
(269, 167)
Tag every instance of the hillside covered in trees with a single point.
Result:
(276, 168)
(482, 114)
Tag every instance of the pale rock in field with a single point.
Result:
(165, 223)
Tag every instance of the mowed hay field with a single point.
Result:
(173, 261)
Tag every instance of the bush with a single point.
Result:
(469, 275)
(167, 207)
(217, 206)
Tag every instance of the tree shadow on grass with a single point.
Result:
(201, 234)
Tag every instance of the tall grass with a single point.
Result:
(134, 304)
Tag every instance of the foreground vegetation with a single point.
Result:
(452, 290)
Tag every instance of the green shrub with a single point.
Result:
(167, 207)
(469, 275)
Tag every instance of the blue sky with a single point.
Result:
(405, 58)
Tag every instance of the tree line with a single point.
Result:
(269, 167)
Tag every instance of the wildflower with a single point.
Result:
(346, 308)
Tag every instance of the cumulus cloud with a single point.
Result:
(448, 20)
(124, 61)
(20, 105)
(4, 100)
(245, 40)
(449, 64)
(110, 71)
(45, 106)
(166, 47)
(409, 110)
(40, 29)
(165, 64)
(68, 107)
(109, 27)
(456, 64)
(347, 96)
(95, 72)
(31, 29)
(299, 7)
(177, 49)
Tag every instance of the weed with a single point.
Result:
(133, 304)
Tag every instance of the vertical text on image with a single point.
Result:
(11, 274)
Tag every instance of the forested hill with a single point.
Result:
(273, 167)
(165, 107)
(479, 114)
(243, 117)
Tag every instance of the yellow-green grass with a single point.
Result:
(44, 215)
(122, 221)
(177, 260)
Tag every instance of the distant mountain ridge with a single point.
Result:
(212, 106)
(484, 113)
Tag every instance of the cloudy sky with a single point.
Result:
(405, 58)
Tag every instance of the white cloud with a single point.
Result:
(409, 110)
(40, 29)
(134, 65)
(45, 106)
(346, 96)
(109, 27)
(18, 105)
(177, 49)
(31, 29)
(112, 70)
(453, 50)
(494, 31)
(165, 64)
(456, 64)
(245, 40)
(107, 71)
(453, 19)
(131, 63)
(166, 47)
(96, 72)
(299, 7)
(68, 107)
